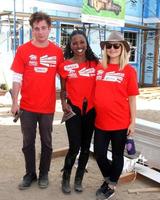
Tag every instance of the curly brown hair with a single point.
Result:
(39, 16)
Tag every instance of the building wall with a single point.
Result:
(137, 12)
(65, 2)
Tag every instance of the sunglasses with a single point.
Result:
(115, 45)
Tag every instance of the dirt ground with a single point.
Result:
(12, 163)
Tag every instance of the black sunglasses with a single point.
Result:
(115, 45)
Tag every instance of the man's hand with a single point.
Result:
(14, 108)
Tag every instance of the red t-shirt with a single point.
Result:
(80, 81)
(38, 67)
(113, 87)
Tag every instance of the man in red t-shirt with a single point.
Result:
(34, 71)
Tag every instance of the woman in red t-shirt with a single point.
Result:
(77, 95)
(115, 105)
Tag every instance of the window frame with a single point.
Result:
(133, 48)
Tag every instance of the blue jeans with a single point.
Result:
(111, 170)
(29, 121)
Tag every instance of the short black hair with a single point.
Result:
(89, 53)
(39, 16)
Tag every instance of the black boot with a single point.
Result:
(78, 181)
(66, 188)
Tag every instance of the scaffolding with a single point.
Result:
(17, 20)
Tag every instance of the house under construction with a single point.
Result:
(141, 29)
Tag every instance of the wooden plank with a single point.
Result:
(60, 152)
(152, 189)
(127, 177)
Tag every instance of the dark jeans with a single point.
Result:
(29, 121)
(111, 170)
(80, 130)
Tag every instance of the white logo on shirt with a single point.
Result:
(72, 75)
(83, 72)
(110, 76)
(33, 60)
(33, 57)
(40, 69)
(87, 72)
(48, 61)
(71, 68)
(99, 75)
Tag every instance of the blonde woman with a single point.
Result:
(115, 104)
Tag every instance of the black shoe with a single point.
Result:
(27, 181)
(78, 185)
(106, 195)
(103, 188)
(43, 181)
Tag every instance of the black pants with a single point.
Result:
(80, 130)
(111, 170)
(29, 121)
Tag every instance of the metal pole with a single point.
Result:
(14, 29)
(142, 12)
(22, 5)
(22, 35)
(141, 76)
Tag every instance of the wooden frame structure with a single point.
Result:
(21, 16)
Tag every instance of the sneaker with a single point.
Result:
(103, 188)
(107, 195)
(43, 181)
(27, 181)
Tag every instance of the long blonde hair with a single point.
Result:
(123, 60)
